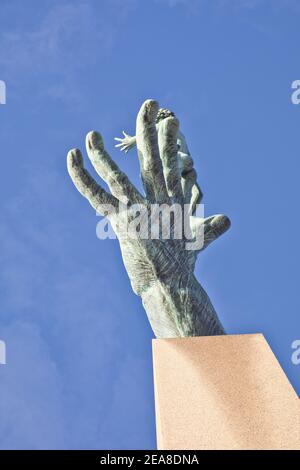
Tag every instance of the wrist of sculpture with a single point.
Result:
(182, 311)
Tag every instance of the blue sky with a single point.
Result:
(79, 372)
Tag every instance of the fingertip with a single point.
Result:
(226, 222)
(149, 110)
(171, 124)
(150, 102)
(94, 141)
(222, 223)
(74, 157)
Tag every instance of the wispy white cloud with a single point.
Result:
(67, 40)
(66, 377)
(193, 6)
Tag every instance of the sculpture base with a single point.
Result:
(223, 392)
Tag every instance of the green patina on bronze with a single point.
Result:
(161, 271)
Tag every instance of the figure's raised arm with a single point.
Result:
(125, 143)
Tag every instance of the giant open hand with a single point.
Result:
(160, 269)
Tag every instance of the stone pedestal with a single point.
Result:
(223, 392)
